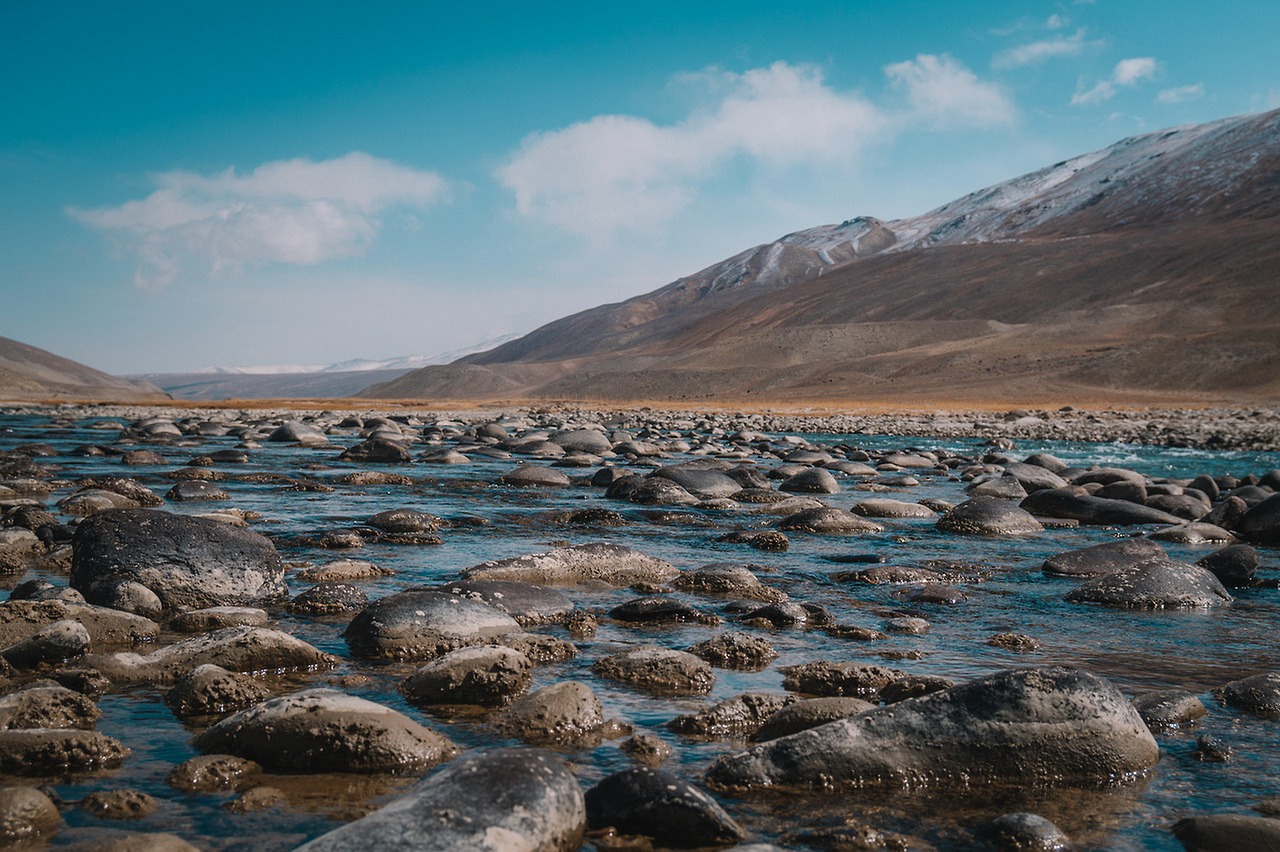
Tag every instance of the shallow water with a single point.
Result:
(1196, 650)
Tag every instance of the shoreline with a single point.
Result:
(1238, 428)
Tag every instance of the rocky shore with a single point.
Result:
(644, 629)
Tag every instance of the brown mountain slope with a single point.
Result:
(28, 373)
(1149, 270)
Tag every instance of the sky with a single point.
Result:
(184, 185)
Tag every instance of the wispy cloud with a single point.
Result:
(1127, 73)
(1038, 51)
(299, 212)
(615, 173)
(1180, 94)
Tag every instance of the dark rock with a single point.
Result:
(532, 476)
(527, 603)
(1168, 708)
(1227, 833)
(1210, 749)
(608, 563)
(727, 578)
(118, 804)
(826, 679)
(699, 481)
(645, 749)
(1103, 558)
(51, 751)
(484, 675)
(328, 598)
(809, 713)
(663, 807)
(659, 610)
(989, 516)
(660, 670)
(1159, 584)
(1018, 642)
(1023, 832)
(210, 773)
(404, 521)
(1088, 509)
(738, 717)
(815, 480)
(209, 690)
(913, 686)
(828, 519)
(566, 713)
(1258, 694)
(733, 650)
(421, 622)
(196, 489)
(1234, 565)
(378, 451)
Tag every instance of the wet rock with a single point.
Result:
(47, 707)
(1258, 694)
(913, 686)
(1158, 584)
(645, 749)
(1052, 725)
(660, 670)
(218, 617)
(210, 773)
(825, 679)
(989, 516)
(738, 717)
(90, 501)
(484, 675)
(50, 751)
(1017, 642)
(21, 619)
(484, 801)
(931, 593)
(403, 521)
(1168, 708)
(323, 730)
(538, 647)
(612, 564)
(880, 507)
(378, 451)
(532, 476)
(815, 480)
(726, 578)
(342, 540)
(209, 690)
(259, 798)
(907, 625)
(583, 441)
(18, 548)
(735, 650)
(699, 481)
(43, 590)
(527, 603)
(118, 804)
(328, 599)
(828, 519)
(809, 713)
(566, 713)
(1088, 509)
(1211, 749)
(1103, 558)
(241, 649)
(659, 491)
(1235, 565)
(27, 815)
(1227, 833)
(663, 807)
(1193, 533)
(420, 623)
(188, 562)
(1024, 832)
(49, 646)
(128, 596)
(342, 571)
(195, 489)
(1004, 487)
(660, 610)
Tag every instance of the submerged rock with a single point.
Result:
(607, 563)
(663, 807)
(1103, 558)
(1158, 584)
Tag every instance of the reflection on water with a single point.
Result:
(1195, 650)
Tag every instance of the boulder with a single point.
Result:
(378, 451)
(54, 751)
(48, 646)
(217, 617)
(107, 627)
(1227, 833)
(735, 650)
(1075, 505)
(484, 675)
(189, 563)
(826, 679)
(1262, 522)
(1258, 694)
(324, 730)
(1103, 558)
(1158, 584)
(699, 480)
(47, 707)
(1234, 565)
(212, 773)
(1055, 726)
(809, 713)
(727, 578)
(663, 807)
(422, 622)
(209, 690)
(566, 713)
(239, 649)
(26, 815)
(1168, 708)
(612, 564)
(500, 799)
(991, 516)
(660, 670)
(738, 717)
(527, 603)
(815, 480)
(883, 507)
(329, 599)
(828, 519)
(533, 476)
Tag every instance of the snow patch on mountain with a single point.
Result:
(361, 365)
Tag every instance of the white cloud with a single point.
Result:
(299, 212)
(1056, 22)
(1038, 51)
(1181, 93)
(615, 173)
(1127, 73)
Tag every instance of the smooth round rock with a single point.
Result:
(217, 617)
(731, 579)
(240, 649)
(1159, 584)
(49, 646)
(421, 623)
(660, 670)
(533, 476)
(1169, 708)
(879, 507)
(989, 516)
(667, 809)
(1024, 832)
(1103, 558)
(1258, 694)
(1235, 565)
(404, 521)
(1227, 833)
(527, 603)
(566, 713)
(485, 675)
(828, 519)
(815, 480)
(613, 564)
(809, 713)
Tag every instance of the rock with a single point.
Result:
(90, 501)
(1168, 708)
(128, 596)
(378, 451)
(931, 593)
(1017, 642)
(532, 476)
(612, 564)
(538, 647)
(49, 646)
(880, 507)
(824, 678)
(21, 619)
(1227, 833)
(1193, 533)
(1103, 558)
(1023, 832)
(527, 603)
(725, 578)
(738, 717)
(1087, 509)
(195, 489)
(809, 713)
(1234, 565)
(1159, 584)
(210, 773)
(1262, 522)
(663, 807)
(47, 707)
(1258, 694)
(990, 516)
(329, 599)
(734, 650)
(18, 548)
(118, 804)
(26, 816)
(907, 625)
(296, 431)
(583, 441)
(343, 571)
(657, 491)
(217, 617)
(660, 610)
(566, 713)
(828, 519)
(699, 481)
(815, 480)
(1210, 749)
(421, 622)
(404, 521)
(241, 649)
(645, 749)
(209, 690)
(485, 675)
(660, 670)
(499, 799)
(1004, 487)
(190, 563)
(324, 730)
(1054, 726)
(52, 751)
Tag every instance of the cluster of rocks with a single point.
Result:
(190, 605)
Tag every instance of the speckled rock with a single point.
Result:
(1257, 694)
(660, 670)
(612, 564)
(824, 679)
(41, 706)
(209, 773)
(727, 578)
(1159, 584)
(735, 650)
(485, 675)
(667, 809)
(26, 816)
(1168, 708)
(210, 690)
(990, 516)
(566, 713)
(1103, 558)
(420, 623)
(50, 751)
(738, 717)
(241, 649)
(809, 713)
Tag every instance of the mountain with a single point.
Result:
(1144, 271)
(31, 374)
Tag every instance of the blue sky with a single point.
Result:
(184, 185)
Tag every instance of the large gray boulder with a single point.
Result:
(989, 516)
(422, 623)
(1103, 558)
(667, 809)
(324, 730)
(566, 566)
(1074, 504)
(237, 649)
(1055, 726)
(1262, 522)
(1158, 584)
(516, 800)
(188, 562)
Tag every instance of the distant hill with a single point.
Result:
(28, 373)
(1149, 270)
